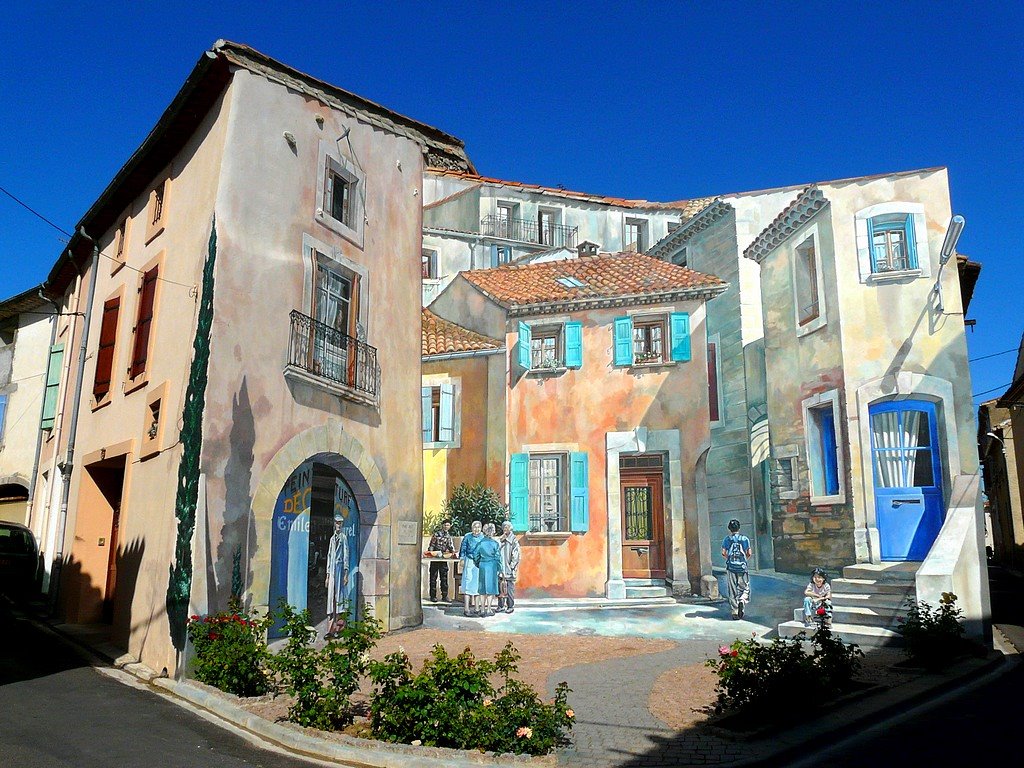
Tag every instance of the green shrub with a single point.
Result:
(231, 652)
(432, 520)
(768, 677)
(467, 503)
(323, 680)
(933, 637)
(453, 702)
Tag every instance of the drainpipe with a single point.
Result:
(68, 464)
(42, 405)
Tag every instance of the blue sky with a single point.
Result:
(654, 100)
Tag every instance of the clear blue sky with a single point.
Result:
(655, 100)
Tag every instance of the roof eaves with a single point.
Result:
(653, 297)
(705, 218)
(26, 301)
(794, 216)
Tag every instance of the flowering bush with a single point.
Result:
(322, 680)
(453, 702)
(933, 636)
(230, 652)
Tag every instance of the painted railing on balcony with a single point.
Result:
(529, 231)
(330, 354)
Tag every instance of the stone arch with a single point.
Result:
(331, 445)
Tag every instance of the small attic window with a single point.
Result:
(570, 282)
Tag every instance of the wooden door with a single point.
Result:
(111, 585)
(643, 525)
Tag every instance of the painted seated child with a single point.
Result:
(818, 595)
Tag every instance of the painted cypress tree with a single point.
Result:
(179, 584)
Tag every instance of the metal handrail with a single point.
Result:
(330, 354)
(529, 231)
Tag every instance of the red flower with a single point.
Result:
(821, 611)
(735, 653)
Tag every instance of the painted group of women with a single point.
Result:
(489, 569)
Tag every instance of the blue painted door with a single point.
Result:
(908, 477)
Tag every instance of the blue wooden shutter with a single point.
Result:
(909, 236)
(871, 244)
(524, 346)
(574, 345)
(53, 369)
(623, 341)
(680, 322)
(428, 416)
(494, 256)
(829, 451)
(519, 491)
(446, 431)
(579, 498)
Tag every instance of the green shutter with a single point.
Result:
(579, 498)
(623, 341)
(428, 416)
(519, 491)
(574, 345)
(680, 336)
(871, 244)
(53, 369)
(446, 433)
(524, 346)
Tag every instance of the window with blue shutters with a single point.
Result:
(519, 491)
(550, 348)
(579, 493)
(892, 242)
(574, 345)
(523, 346)
(679, 322)
(822, 435)
(623, 341)
(439, 422)
(500, 254)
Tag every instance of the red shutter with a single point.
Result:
(713, 381)
(142, 326)
(105, 353)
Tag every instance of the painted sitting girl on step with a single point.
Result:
(818, 595)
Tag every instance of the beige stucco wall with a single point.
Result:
(259, 425)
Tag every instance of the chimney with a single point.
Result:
(587, 248)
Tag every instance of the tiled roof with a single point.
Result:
(688, 208)
(607, 276)
(443, 337)
(798, 213)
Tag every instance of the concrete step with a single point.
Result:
(891, 572)
(869, 617)
(872, 586)
(897, 602)
(644, 582)
(645, 593)
(866, 637)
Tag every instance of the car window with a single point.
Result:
(14, 541)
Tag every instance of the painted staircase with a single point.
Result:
(645, 589)
(866, 603)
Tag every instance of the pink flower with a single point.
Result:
(570, 713)
(723, 650)
(525, 733)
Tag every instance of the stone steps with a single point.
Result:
(865, 616)
(896, 602)
(871, 586)
(904, 572)
(645, 592)
(864, 636)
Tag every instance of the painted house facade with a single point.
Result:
(602, 417)
(243, 387)
(26, 323)
(478, 222)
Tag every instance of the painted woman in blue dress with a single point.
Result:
(470, 572)
(488, 559)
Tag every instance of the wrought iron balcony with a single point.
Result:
(529, 231)
(345, 364)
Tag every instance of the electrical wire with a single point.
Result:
(40, 216)
(994, 354)
(994, 389)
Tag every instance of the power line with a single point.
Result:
(40, 216)
(994, 354)
(994, 389)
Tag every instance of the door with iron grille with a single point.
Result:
(641, 492)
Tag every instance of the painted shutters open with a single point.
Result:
(53, 369)
(574, 345)
(519, 491)
(523, 349)
(680, 335)
(147, 298)
(446, 430)
(579, 498)
(427, 419)
(623, 341)
(105, 352)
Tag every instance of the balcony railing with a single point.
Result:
(329, 354)
(529, 231)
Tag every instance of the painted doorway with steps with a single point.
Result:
(642, 494)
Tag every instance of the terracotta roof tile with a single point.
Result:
(603, 277)
(442, 337)
(688, 208)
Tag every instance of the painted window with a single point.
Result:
(439, 416)
(105, 352)
(120, 245)
(53, 371)
(500, 254)
(822, 432)
(144, 323)
(651, 339)
(550, 347)
(549, 492)
(340, 201)
(892, 243)
(807, 299)
(786, 475)
(428, 264)
(157, 211)
(713, 387)
(505, 224)
(336, 302)
(635, 235)
(681, 257)
(547, 225)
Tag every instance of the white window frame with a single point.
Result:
(830, 398)
(556, 221)
(643, 227)
(435, 266)
(435, 382)
(924, 262)
(556, 322)
(564, 502)
(314, 250)
(330, 159)
(821, 320)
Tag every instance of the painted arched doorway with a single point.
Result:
(314, 562)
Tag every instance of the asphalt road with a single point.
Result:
(56, 712)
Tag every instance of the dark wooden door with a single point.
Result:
(643, 525)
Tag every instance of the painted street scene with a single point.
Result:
(710, 465)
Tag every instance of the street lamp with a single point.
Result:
(956, 226)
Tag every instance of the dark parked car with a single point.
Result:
(19, 561)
